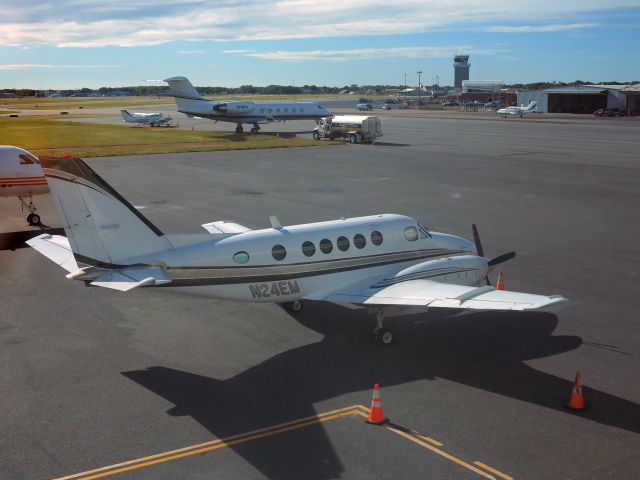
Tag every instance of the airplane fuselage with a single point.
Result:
(20, 174)
(311, 260)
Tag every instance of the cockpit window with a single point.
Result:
(27, 159)
(411, 233)
(424, 231)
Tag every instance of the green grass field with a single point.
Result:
(48, 135)
(127, 102)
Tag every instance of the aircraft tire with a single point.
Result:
(295, 306)
(352, 139)
(383, 336)
(316, 136)
(254, 130)
(33, 219)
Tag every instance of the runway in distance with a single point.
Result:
(518, 110)
(21, 176)
(191, 103)
(151, 119)
(388, 263)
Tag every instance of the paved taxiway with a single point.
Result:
(93, 378)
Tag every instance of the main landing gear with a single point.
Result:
(33, 218)
(295, 306)
(239, 128)
(381, 335)
(256, 128)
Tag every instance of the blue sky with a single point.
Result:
(94, 43)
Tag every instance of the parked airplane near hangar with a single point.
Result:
(21, 176)
(191, 103)
(151, 119)
(385, 262)
(518, 110)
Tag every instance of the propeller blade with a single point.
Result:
(476, 239)
(501, 259)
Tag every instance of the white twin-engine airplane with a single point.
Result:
(151, 119)
(21, 176)
(191, 103)
(518, 110)
(386, 262)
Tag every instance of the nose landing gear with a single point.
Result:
(33, 219)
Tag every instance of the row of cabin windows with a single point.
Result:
(278, 252)
(286, 110)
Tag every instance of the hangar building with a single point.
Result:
(584, 98)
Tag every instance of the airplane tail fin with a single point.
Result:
(102, 227)
(181, 87)
(126, 116)
(532, 105)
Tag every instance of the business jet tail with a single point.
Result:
(532, 105)
(127, 117)
(104, 230)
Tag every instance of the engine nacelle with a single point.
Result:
(234, 108)
(461, 270)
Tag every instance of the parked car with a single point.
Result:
(608, 112)
(364, 106)
(386, 107)
(450, 103)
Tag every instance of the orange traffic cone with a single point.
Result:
(500, 284)
(576, 401)
(375, 413)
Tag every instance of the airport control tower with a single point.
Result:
(460, 70)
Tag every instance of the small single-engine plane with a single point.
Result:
(522, 111)
(384, 262)
(156, 119)
(21, 176)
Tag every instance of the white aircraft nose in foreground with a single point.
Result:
(518, 110)
(21, 176)
(379, 261)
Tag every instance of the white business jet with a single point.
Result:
(384, 262)
(151, 119)
(518, 110)
(191, 103)
(21, 176)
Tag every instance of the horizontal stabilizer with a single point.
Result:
(225, 226)
(443, 295)
(130, 278)
(56, 248)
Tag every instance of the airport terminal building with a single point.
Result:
(584, 98)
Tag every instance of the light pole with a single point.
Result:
(437, 86)
(405, 90)
(419, 73)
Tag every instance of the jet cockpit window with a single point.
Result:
(411, 233)
(424, 231)
(27, 159)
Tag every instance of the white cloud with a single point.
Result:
(31, 66)
(94, 23)
(541, 28)
(191, 52)
(368, 53)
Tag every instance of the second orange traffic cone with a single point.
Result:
(576, 401)
(375, 413)
(500, 284)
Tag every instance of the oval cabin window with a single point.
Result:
(278, 252)
(241, 257)
(411, 234)
(359, 241)
(325, 245)
(376, 237)
(308, 248)
(343, 244)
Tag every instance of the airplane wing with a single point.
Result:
(129, 278)
(56, 248)
(224, 226)
(428, 293)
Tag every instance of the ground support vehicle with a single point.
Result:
(355, 128)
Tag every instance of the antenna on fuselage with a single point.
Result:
(275, 223)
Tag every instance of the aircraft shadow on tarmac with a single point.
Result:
(484, 350)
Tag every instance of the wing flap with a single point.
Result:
(225, 226)
(56, 248)
(443, 295)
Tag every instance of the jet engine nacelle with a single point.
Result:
(455, 270)
(234, 108)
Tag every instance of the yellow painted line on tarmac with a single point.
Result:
(213, 445)
(442, 453)
(493, 470)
